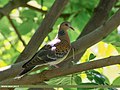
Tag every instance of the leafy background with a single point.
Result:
(27, 20)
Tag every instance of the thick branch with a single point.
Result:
(97, 35)
(46, 75)
(80, 45)
(100, 15)
(43, 30)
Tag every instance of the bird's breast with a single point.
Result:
(59, 60)
(63, 46)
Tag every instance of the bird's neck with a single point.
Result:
(63, 35)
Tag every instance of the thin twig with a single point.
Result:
(100, 15)
(16, 31)
(44, 12)
(35, 8)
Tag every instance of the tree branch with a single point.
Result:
(46, 75)
(43, 30)
(80, 45)
(35, 8)
(15, 29)
(44, 12)
(10, 6)
(95, 36)
(100, 15)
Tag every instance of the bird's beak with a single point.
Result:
(72, 28)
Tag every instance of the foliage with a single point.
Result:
(27, 21)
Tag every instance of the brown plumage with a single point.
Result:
(52, 53)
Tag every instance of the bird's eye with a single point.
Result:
(66, 24)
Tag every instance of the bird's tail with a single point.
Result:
(25, 70)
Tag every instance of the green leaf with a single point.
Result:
(30, 14)
(78, 80)
(3, 2)
(90, 77)
(25, 27)
(95, 72)
(92, 56)
(99, 79)
(48, 4)
(4, 26)
(80, 20)
(75, 5)
(102, 77)
(116, 81)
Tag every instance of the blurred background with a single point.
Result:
(17, 29)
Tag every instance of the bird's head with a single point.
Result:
(66, 26)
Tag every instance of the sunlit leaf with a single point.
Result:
(20, 47)
(2, 63)
(34, 4)
(114, 74)
(14, 13)
(44, 8)
(7, 44)
(3, 2)
(116, 81)
(103, 50)
(4, 27)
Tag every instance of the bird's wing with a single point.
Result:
(38, 58)
(35, 60)
(49, 53)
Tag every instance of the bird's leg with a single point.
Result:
(73, 50)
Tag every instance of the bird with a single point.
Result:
(53, 52)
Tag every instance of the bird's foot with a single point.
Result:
(56, 66)
(73, 50)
